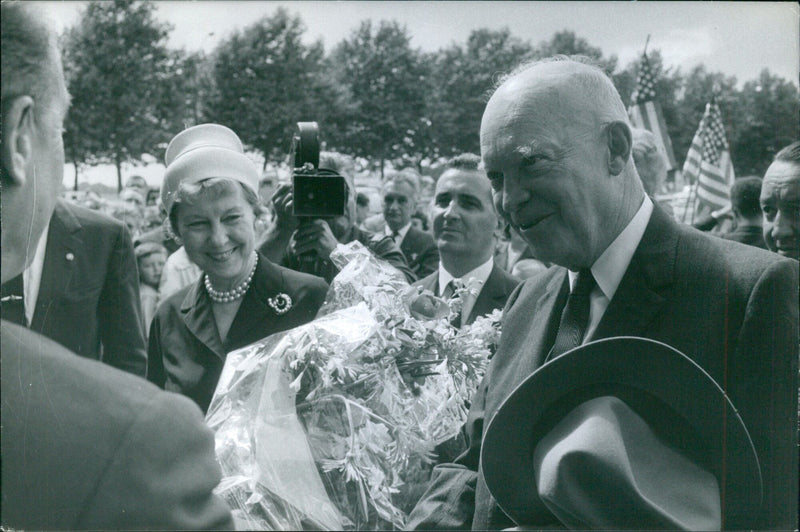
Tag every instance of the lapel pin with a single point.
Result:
(280, 303)
(70, 256)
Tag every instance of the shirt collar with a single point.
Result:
(481, 273)
(609, 268)
(401, 234)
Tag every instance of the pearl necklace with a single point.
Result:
(226, 296)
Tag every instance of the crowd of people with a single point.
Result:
(691, 425)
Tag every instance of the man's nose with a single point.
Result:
(783, 227)
(451, 210)
(514, 195)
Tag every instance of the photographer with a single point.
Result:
(307, 246)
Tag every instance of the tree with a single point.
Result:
(461, 80)
(699, 87)
(567, 43)
(118, 68)
(384, 80)
(770, 112)
(265, 81)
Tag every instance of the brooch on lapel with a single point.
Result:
(281, 303)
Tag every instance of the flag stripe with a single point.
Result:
(663, 135)
(645, 112)
(708, 162)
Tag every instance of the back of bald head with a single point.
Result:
(31, 63)
(577, 90)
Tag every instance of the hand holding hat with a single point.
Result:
(581, 429)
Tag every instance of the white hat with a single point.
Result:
(203, 152)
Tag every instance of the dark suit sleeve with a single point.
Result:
(119, 310)
(449, 501)
(155, 360)
(384, 248)
(428, 261)
(163, 474)
(765, 370)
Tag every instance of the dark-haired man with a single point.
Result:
(464, 220)
(84, 445)
(746, 212)
(780, 203)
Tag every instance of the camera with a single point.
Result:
(316, 192)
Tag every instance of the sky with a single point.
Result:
(736, 38)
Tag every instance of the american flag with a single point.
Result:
(708, 161)
(645, 112)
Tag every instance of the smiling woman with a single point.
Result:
(210, 193)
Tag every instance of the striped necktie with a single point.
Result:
(575, 317)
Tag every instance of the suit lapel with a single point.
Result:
(493, 295)
(254, 311)
(199, 318)
(431, 282)
(640, 294)
(59, 270)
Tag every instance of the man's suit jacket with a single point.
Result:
(420, 251)
(730, 307)
(86, 446)
(89, 294)
(186, 354)
(493, 295)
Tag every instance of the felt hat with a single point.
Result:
(663, 386)
(202, 152)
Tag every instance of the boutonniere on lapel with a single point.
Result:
(281, 303)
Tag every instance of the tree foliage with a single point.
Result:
(118, 68)
(265, 80)
(384, 80)
(374, 95)
(461, 81)
(771, 108)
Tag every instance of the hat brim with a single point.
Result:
(640, 365)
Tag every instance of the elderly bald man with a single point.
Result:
(556, 144)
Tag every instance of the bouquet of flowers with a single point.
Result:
(333, 425)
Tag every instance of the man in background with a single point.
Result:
(780, 203)
(464, 220)
(746, 210)
(399, 203)
(306, 247)
(84, 445)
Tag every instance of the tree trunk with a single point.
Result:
(118, 164)
(382, 161)
(75, 186)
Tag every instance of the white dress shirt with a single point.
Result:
(32, 276)
(401, 233)
(481, 273)
(611, 266)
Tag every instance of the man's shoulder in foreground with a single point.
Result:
(86, 446)
(71, 213)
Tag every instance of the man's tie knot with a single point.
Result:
(584, 283)
(575, 317)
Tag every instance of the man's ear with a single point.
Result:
(620, 143)
(18, 131)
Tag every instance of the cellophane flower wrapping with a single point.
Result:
(333, 425)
